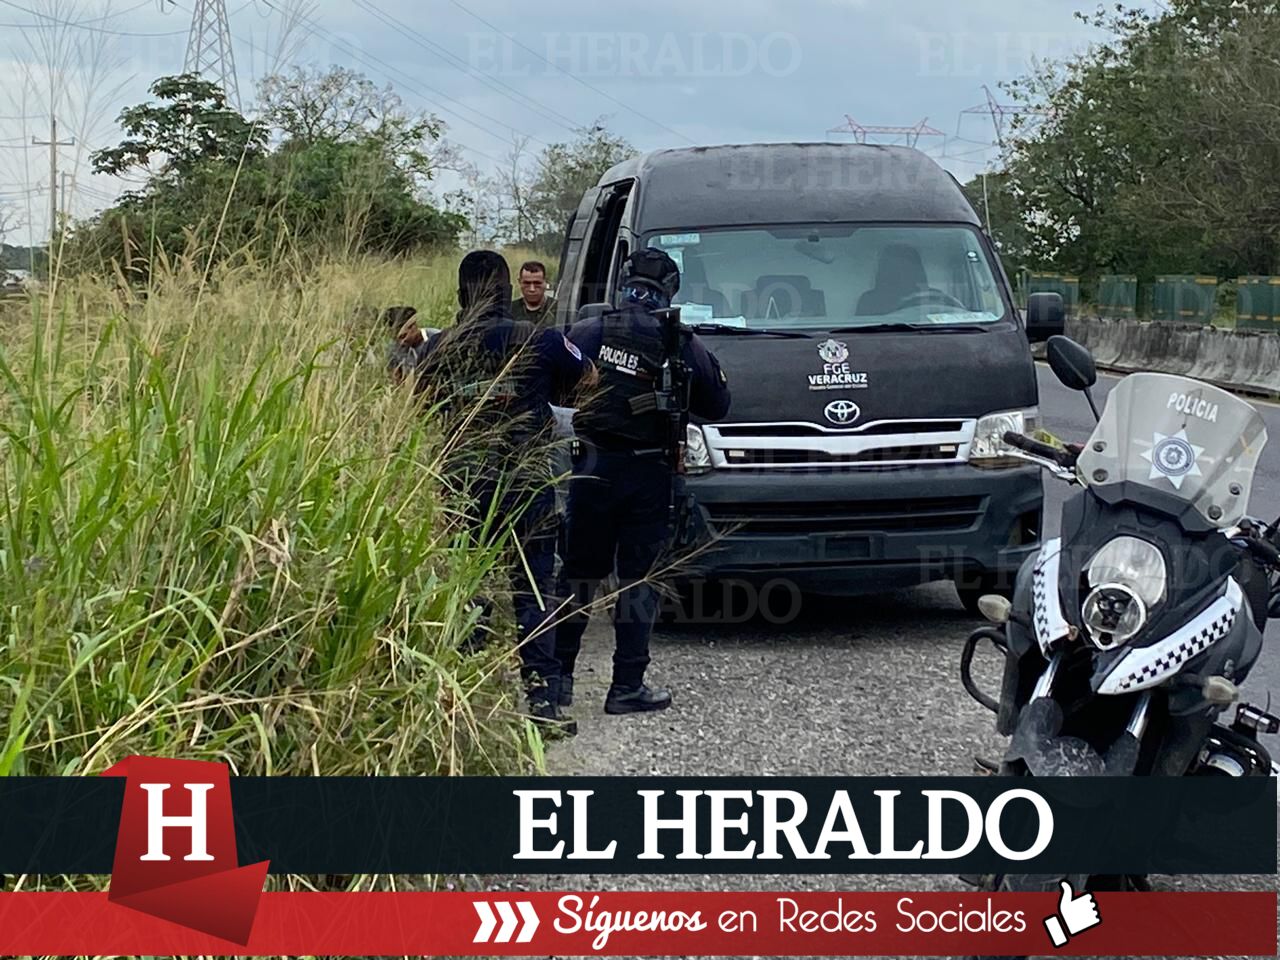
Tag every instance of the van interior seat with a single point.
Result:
(695, 289)
(899, 274)
(784, 295)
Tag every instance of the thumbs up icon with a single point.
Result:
(1075, 915)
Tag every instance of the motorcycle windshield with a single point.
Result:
(1179, 436)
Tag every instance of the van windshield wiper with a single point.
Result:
(726, 329)
(913, 328)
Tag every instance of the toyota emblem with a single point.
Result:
(842, 412)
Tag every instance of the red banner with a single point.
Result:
(656, 924)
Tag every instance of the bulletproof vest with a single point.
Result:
(468, 370)
(630, 365)
(485, 388)
(495, 375)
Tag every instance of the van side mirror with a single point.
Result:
(1071, 363)
(591, 311)
(1046, 316)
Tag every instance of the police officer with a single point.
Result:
(620, 492)
(496, 377)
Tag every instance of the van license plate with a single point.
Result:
(850, 548)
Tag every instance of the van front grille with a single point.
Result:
(771, 458)
(845, 516)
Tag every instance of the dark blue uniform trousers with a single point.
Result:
(531, 598)
(617, 516)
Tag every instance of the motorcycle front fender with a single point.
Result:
(1039, 744)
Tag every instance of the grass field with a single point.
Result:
(223, 536)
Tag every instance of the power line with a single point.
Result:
(494, 84)
(409, 82)
(573, 76)
(911, 134)
(338, 41)
(78, 24)
(998, 112)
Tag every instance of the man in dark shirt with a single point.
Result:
(620, 493)
(533, 304)
(494, 378)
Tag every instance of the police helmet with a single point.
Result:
(652, 268)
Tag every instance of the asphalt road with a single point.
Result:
(858, 686)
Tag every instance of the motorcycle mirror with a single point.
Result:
(1071, 363)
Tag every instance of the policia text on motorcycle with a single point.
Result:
(652, 374)
(496, 377)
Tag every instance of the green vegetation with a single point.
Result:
(223, 534)
(333, 167)
(1157, 152)
(225, 537)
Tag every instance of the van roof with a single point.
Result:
(766, 183)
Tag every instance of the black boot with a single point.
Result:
(544, 707)
(566, 690)
(639, 699)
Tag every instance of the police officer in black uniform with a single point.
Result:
(495, 377)
(621, 491)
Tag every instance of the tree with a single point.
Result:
(997, 200)
(307, 106)
(194, 125)
(8, 221)
(563, 173)
(223, 192)
(1159, 152)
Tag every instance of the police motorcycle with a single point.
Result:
(1128, 636)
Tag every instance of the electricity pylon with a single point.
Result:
(209, 50)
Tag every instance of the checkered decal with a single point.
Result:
(1051, 625)
(1149, 666)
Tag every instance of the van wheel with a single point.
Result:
(974, 590)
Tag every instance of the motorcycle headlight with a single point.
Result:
(697, 458)
(989, 449)
(1127, 578)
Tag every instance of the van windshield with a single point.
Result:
(828, 276)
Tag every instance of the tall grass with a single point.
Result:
(223, 535)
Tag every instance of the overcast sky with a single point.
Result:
(662, 73)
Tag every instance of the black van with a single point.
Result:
(873, 349)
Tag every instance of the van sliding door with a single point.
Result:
(569, 282)
(597, 259)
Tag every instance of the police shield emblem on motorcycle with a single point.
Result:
(1174, 458)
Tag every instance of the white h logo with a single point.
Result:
(197, 823)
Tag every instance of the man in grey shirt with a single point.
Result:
(409, 345)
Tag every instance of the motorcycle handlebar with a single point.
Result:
(1264, 552)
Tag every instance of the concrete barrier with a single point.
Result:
(1244, 360)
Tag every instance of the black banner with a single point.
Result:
(569, 825)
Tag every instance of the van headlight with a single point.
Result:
(1127, 579)
(989, 449)
(697, 458)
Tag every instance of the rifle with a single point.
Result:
(672, 398)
